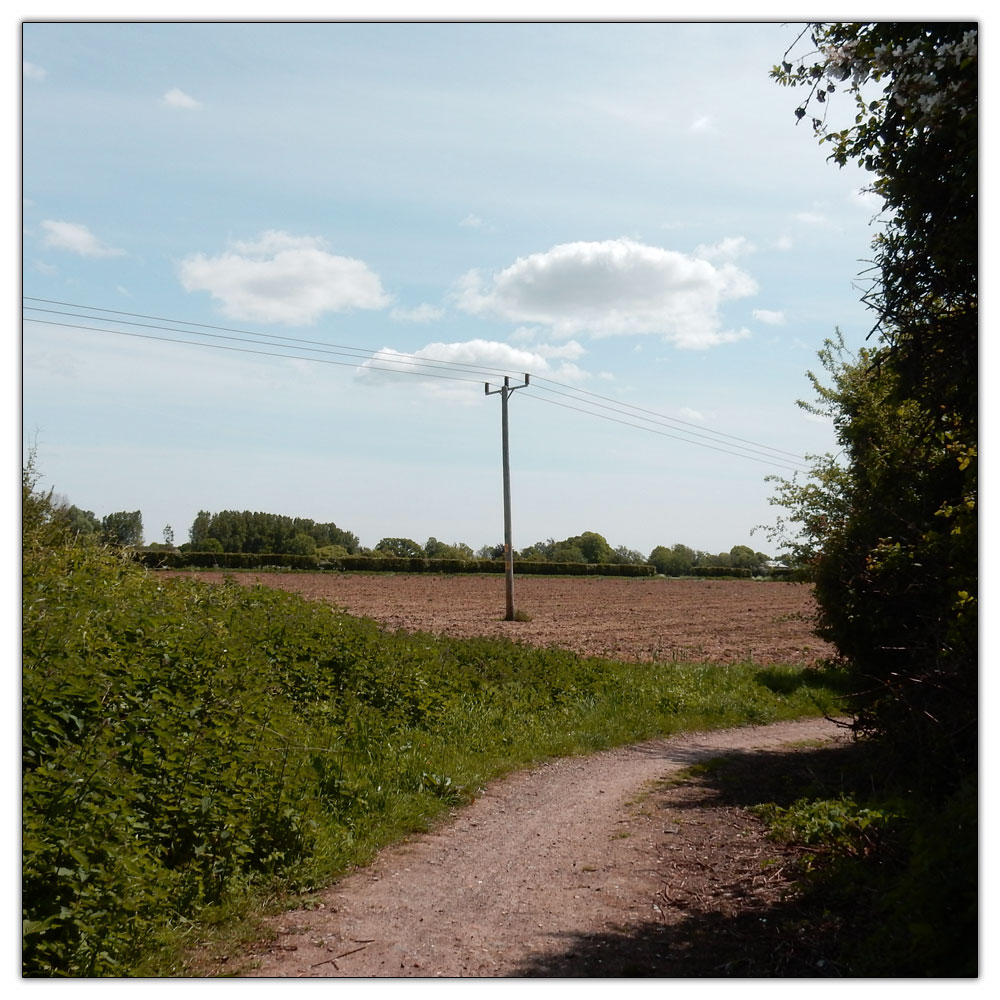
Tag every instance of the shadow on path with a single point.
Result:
(729, 906)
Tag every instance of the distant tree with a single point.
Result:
(332, 552)
(404, 547)
(301, 545)
(538, 552)
(255, 531)
(567, 551)
(434, 549)
(674, 561)
(168, 536)
(200, 529)
(628, 557)
(595, 547)
(490, 551)
(122, 528)
(81, 523)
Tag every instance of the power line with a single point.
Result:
(657, 419)
(660, 416)
(323, 346)
(766, 461)
(244, 350)
(381, 360)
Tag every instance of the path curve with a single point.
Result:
(541, 856)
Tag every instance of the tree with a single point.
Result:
(122, 528)
(434, 549)
(402, 547)
(891, 529)
(301, 545)
(625, 556)
(81, 523)
(674, 561)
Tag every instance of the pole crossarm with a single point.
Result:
(505, 391)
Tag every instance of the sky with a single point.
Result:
(627, 212)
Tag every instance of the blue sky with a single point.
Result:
(628, 211)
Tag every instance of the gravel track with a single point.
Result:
(509, 885)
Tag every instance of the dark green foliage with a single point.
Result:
(82, 523)
(188, 559)
(892, 528)
(252, 531)
(721, 571)
(400, 547)
(908, 863)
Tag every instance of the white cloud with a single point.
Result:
(773, 317)
(784, 243)
(614, 287)
(424, 313)
(704, 123)
(75, 238)
(32, 72)
(281, 278)
(811, 218)
(484, 357)
(175, 98)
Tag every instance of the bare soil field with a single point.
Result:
(720, 621)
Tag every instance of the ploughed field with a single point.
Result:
(627, 619)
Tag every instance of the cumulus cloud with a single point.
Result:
(613, 287)
(773, 317)
(811, 218)
(281, 278)
(75, 238)
(704, 123)
(176, 98)
(32, 72)
(476, 360)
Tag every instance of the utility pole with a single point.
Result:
(508, 552)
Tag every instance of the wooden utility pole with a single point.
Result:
(508, 552)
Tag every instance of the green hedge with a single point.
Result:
(380, 564)
(224, 560)
(722, 571)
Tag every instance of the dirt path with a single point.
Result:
(545, 871)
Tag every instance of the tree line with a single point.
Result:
(230, 531)
(257, 532)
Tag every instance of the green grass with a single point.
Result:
(193, 752)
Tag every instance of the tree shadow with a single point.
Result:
(732, 930)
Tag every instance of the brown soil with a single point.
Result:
(633, 619)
